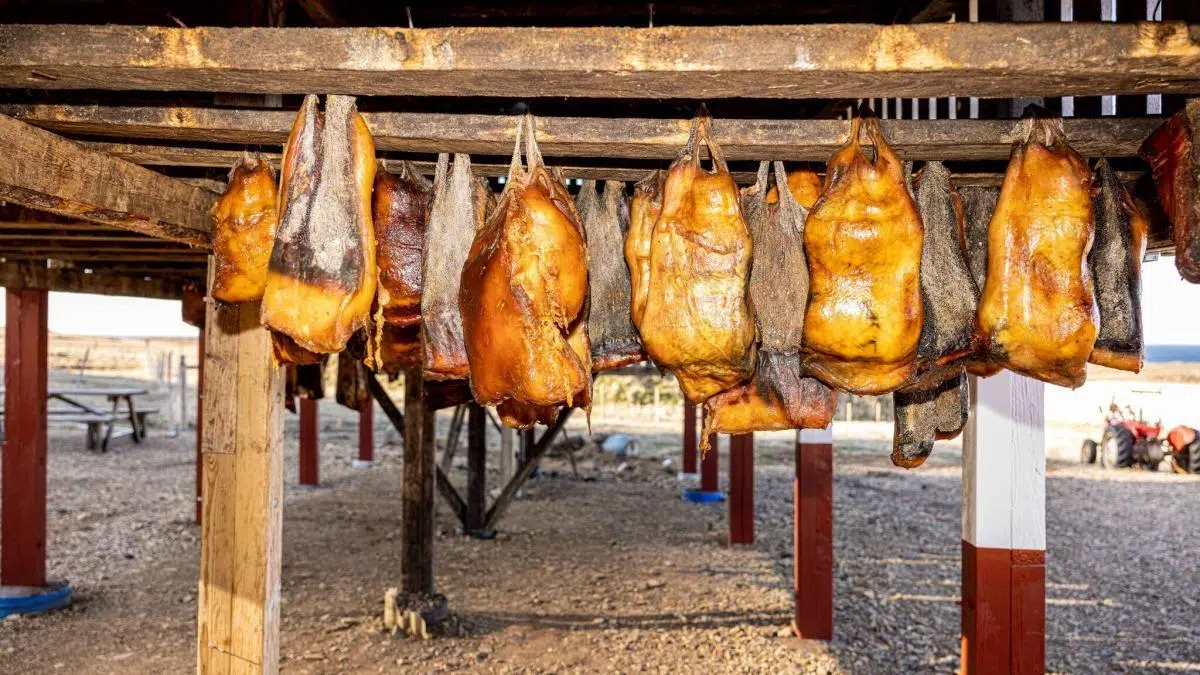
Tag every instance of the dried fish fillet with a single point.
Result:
(605, 216)
(1038, 314)
(322, 276)
(1173, 153)
(1116, 263)
(523, 298)
(698, 322)
(244, 223)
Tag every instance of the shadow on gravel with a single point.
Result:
(494, 621)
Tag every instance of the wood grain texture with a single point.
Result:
(23, 481)
(814, 61)
(416, 489)
(644, 138)
(66, 280)
(47, 172)
(238, 625)
(1004, 464)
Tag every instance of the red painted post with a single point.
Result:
(308, 441)
(741, 489)
(710, 467)
(23, 490)
(366, 430)
(812, 542)
(689, 438)
(200, 430)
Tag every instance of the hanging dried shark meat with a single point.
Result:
(697, 321)
(1173, 153)
(978, 205)
(805, 186)
(351, 382)
(777, 396)
(644, 210)
(458, 210)
(322, 274)
(287, 351)
(244, 224)
(605, 215)
(400, 208)
(934, 404)
(310, 379)
(927, 414)
(1038, 312)
(1116, 263)
(863, 240)
(523, 298)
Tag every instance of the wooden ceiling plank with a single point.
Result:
(636, 138)
(1000, 60)
(47, 172)
(28, 275)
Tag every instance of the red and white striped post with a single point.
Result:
(741, 489)
(1004, 528)
(812, 538)
(23, 492)
(309, 459)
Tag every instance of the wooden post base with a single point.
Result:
(812, 559)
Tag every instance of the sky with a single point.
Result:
(1170, 311)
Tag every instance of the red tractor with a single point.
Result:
(1128, 440)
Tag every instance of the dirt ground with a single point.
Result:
(608, 571)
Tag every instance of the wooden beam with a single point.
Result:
(682, 62)
(309, 453)
(644, 138)
(242, 524)
(64, 280)
(23, 455)
(416, 489)
(100, 256)
(366, 430)
(47, 172)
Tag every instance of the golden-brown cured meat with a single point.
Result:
(644, 210)
(697, 321)
(1038, 315)
(244, 224)
(322, 276)
(1116, 264)
(863, 239)
(1173, 153)
(458, 210)
(523, 298)
(605, 216)
(777, 396)
(805, 186)
(401, 207)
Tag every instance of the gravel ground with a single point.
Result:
(609, 572)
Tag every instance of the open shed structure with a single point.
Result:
(114, 141)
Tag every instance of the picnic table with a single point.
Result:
(98, 419)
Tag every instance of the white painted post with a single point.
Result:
(1004, 527)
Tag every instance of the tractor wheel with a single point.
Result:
(1087, 452)
(1191, 457)
(1116, 448)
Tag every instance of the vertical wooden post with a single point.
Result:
(741, 489)
(689, 439)
(710, 467)
(366, 430)
(309, 457)
(508, 460)
(416, 489)
(23, 492)
(1004, 528)
(200, 429)
(476, 467)
(238, 622)
(812, 539)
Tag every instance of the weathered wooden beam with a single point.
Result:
(645, 138)
(47, 172)
(476, 467)
(16, 275)
(416, 489)
(101, 257)
(1004, 60)
(242, 524)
